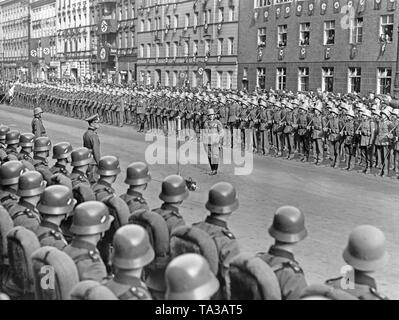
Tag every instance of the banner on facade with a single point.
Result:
(287, 10)
(391, 5)
(107, 26)
(337, 6)
(302, 53)
(46, 50)
(377, 4)
(299, 8)
(33, 53)
(310, 7)
(361, 7)
(278, 11)
(323, 7)
(103, 54)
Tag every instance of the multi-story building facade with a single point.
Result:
(192, 42)
(43, 39)
(14, 20)
(74, 35)
(334, 45)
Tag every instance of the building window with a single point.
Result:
(174, 78)
(304, 34)
(175, 45)
(207, 47)
(167, 22)
(149, 25)
(148, 51)
(157, 51)
(175, 21)
(126, 39)
(261, 37)
(356, 30)
(142, 50)
(186, 45)
(327, 80)
(142, 25)
(303, 79)
(187, 21)
(219, 76)
(384, 80)
(281, 78)
(148, 78)
(261, 78)
(195, 22)
(120, 41)
(386, 28)
(194, 77)
(167, 50)
(229, 80)
(231, 13)
(263, 3)
(329, 32)
(354, 79)
(195, 47)
(220, 15)
(282, 35)
(230, 49)
(220, 47)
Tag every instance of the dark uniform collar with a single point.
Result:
(168, 206)
(50, 225)
(278, 252)
(80, 244)
(216, 222)
(364, 279)
(27, 205)
(134, 193)
(92, 129)
(127, 280)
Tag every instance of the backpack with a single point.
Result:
(189, 239)
(54, 272)
(91, 290)
(6, 224)
(317, 291)
(252, 279)
(21, 243)
(157, 229)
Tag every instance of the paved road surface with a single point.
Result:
(333, 201)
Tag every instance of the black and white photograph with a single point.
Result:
(220, 150)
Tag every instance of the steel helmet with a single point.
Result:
(108, 166)
(137, 173)
(188, 277)
(10, 172)
(56, 200)
(31, 184)
(366, 249)
(37, 110)
(132, 248)
(288, 225)
(91, 217)
(174, 189)
(222, 199)
(62, 150)
(12, 137)
(81, 157)
(26, 140)
(42, 144)
(3, 131)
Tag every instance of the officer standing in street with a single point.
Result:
(213, 138)
(288, 228)
(37, 124)
(365, 253)
(91, 141)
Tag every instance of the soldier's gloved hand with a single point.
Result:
(59, 178)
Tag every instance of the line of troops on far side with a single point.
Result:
(346, 131)
(104, 246)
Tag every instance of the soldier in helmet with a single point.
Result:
(24, 213)
(174, 192)
(12, 141)
(80, 160)
(288, 228)
(222, 202)
(41, 152)
(56, 203)
(90, 221)
(37, 124)
(137, 178)
(26, 142)
(62, 154)
(189, 277)
(3, 146)
(91, 141)
(9, 176)
(365, 253)
(132, 252)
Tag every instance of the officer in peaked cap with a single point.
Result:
(222, 202)
(91, 141)
(288, 228)
(56, 203)
(132, 252)
(37, 124)
(366, 253)
(189, 277)
(90, 221)
(137, 178)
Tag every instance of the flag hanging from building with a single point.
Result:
(280, 54)
(327, 53)
(310, 7)
(302, 53)
(323, 7)
(337, 6)
(377, 4)
(350, 5)
(391, 5)
(46, 50)
(353, 52)
(33, 54)
(278, 11)
(361, 7)
(260, 53)
(287, 10)
(299, 8)
(266, 15)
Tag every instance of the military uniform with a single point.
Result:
(128, 288)
(135, 201)
(38, 128)
(289, 273)
(41, 166)
(171, 216)
(49, 234)
(87, 259)
(25, 214)
(8, 197)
